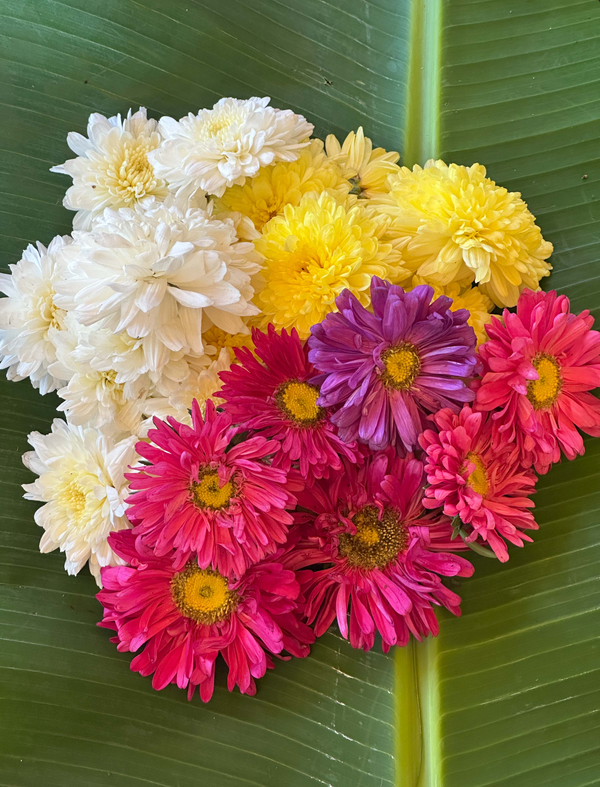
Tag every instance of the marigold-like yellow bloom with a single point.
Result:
(459, 226)
(285, 183)
(470, 298)
(367, 169)
(317, 249)
(217, 338)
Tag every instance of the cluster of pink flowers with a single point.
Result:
(344, 478)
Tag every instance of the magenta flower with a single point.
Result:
(184, 619)
(275, 398)
(199, 494)
(486, 488)
(539, 368)
(378, 554)
(387, 370)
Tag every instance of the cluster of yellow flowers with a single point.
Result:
(342, 213)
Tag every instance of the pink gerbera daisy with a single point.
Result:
(201, 494)
(539, 368)
(377, 551)
(486, 488)
(276, 398)
(184, 619)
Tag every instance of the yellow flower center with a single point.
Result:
(543, 392)
(219, 122)
(133, 175)
(402, 366)
(73, 499)
(377, 541)
(478, 480)
(208, 492)
(299, 402)
(203, 595)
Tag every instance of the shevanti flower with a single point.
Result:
(222, 146)
(285, 183)
(112, 169)
(366, 168)
(486, 487)
(270, 393)
(201, 494)
(155, 271)
(29, 313)
(179, 621)
(387, 370)
(82, 485)
(376, 554)
(316, 250)
(459, 226)
(539, 368)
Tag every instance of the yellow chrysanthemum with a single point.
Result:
(218, 339)
(283, 184)
(459, 226)
(367, 169)
(317, 249)
(470, 298)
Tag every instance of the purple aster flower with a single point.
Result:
(388, 369)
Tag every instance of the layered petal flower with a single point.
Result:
(486, 487)
(386, 370)
(179, 621)
(201, 494)
(377, 556)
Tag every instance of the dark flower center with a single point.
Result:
(402, 366)
(543, 392)
(203, 595)
(377, 541)
(299, 402)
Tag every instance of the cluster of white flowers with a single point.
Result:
(112, 318)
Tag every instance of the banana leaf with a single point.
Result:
(506, 695)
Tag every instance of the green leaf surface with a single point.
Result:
(508, 694)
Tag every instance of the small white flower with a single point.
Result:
(222, 146)
(112, 169)
(29, 314)
(154, 271)
(202, 384)
(81, 481)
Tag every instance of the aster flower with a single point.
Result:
(112, 169)
(366, 168)
(154, 271)
(28, 315)
(387, 370)
(459, 226)
(472, 299)
(539, 368)
(222, 146)
(183, 619)
(314, 251)
(378, 553)
(285, 183)
(273, 396)
(201, 494)
(82, 485)
(486, 488)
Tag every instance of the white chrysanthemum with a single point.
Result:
(81, 481)
(222, 146)
(202, 385)
(28, 315)
(112, 169)
(154, 271)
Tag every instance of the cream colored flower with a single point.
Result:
(285, 183)
(366, 168)
(29, 314)
(457, 225)
(82, 484)
(473, 299)
(112, 169)
(222, 146)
